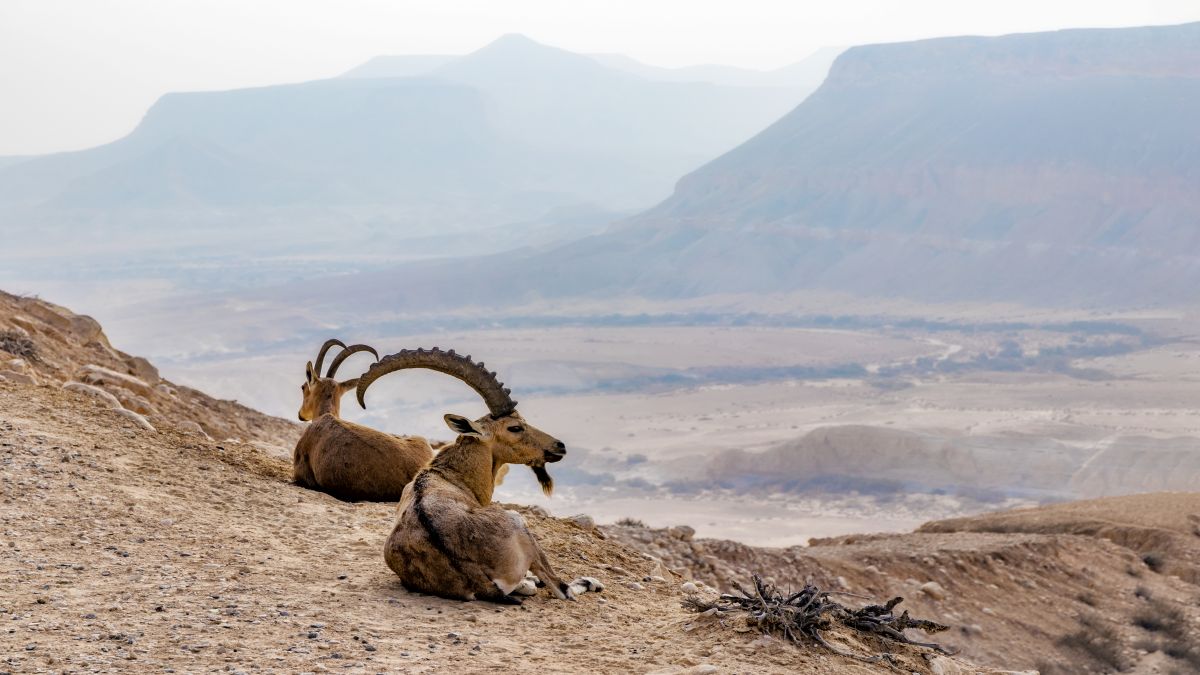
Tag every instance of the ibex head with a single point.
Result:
(512, 440)
(323, 394)
(504, 431)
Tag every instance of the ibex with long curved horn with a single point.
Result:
(450, 539)
(347, 460)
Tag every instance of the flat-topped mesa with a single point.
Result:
(347, 460)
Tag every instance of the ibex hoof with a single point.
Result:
(585, 584)
(526, 588)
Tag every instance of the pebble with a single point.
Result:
(585, 522)
(635, 586)
(688, 587)
(934, 590)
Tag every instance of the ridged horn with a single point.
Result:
(494, 394)
(346, 353)
(321, 354)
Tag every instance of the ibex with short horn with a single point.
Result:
(350, 461)
(450, 539)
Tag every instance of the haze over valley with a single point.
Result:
(953, 275)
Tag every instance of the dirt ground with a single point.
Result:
(130, 550)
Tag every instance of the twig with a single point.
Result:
(808, 612)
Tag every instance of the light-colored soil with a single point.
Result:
(130, 550)
(1015, 584)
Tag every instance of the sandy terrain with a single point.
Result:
(126, 549)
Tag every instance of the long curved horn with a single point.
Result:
(494, 394)
(321, 354)
(345, 354)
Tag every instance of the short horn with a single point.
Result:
(321, 354)
(346, 353)
(492, 391)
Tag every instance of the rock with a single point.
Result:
(137, 404)
(19, 378)
(843, 584)
(583, 521)
(681, 532)
(934, 590)
(193, 428)
(23, 325)
(99, 394)
(688, 587)
(16, 365)
(93, 374)
(940, 665)
(702, 669)
(143, 369)
(634, 586)
(136, 419)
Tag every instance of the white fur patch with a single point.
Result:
(526, 588)
(584, 584)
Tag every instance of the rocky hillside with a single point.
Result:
(137, 550)
(1035, 168)
(44, 344)
(1097, 586)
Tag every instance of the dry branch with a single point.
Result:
(809, 612)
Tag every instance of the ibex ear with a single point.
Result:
(308, 372)
(462, 425)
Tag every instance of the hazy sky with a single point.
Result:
(79, 73)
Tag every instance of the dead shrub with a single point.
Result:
(18, 344)
(1096, 639)
(1155, 560)
(1161, 616)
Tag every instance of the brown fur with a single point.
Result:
(450, 539)
(347, 460)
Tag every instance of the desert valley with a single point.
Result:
(915, 319)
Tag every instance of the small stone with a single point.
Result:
(583, 521)
(934, 590)
(369, 648)
(688, 587)
(634, 586)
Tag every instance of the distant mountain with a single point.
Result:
(401, 65)
(504, 134)
(806, 74)
(1048, 168)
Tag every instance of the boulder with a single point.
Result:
(18, 377)
(143, 369)
(107, 399)
(682, 532)
(93, 374)
(135, 418)
(193, 428)
(934, 590)
(138, 404)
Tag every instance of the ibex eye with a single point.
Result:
(516, 429)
